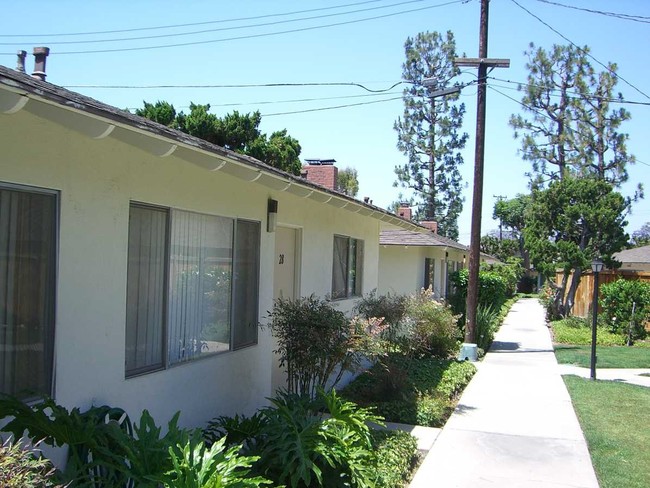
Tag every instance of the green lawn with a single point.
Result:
(607, 356)
(613, 417)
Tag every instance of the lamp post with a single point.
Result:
(596, 267)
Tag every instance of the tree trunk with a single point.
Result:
(571, 295)
(558, 300)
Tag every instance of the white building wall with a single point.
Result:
(97, 179)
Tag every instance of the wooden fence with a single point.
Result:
(585, 293)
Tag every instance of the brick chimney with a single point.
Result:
(322, 172)
(404, 211)
(40, 56)
(432, 225)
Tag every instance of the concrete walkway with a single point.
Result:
(632, 376)
(514, 425)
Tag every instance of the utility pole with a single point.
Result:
(483, 63)
(499, 199)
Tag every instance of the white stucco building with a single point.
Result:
(136, 261)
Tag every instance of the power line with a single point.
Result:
(295, 100)
(577, 97)
(579, 48)
(532, 109)
(192, 24)
(321, 109)
(254, 36)
(252, 85)
(221, 29)
(635, 18)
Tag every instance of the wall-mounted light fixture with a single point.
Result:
(271, 215)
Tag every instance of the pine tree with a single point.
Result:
(429, 132)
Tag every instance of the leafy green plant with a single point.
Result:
(486, 326)
(305, 442)
(196, 466)
(391, 308)
(93, 444)
(493, 289)
(424, 394)
(430, 327)
(397, 456)
(317, 343)
(626, 304)
(21, 468)
(569, 332)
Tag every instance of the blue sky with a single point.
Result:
(366, 47)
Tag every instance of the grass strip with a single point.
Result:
(607, 356)
(613, 419)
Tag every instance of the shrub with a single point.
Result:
(391, 308)
(421, 395)
(298, 445)
(486, 326)
(314, 340)
(492, 289)
(578, 332)
(429, 328)
(511, 271)
(626, 304)
(20, 468)
(397, 456)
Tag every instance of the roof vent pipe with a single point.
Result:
(20, 62)
(40, 56)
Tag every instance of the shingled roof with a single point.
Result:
(400, 237)
(636, 255)
(19, 91)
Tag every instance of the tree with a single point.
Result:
(570, 223)
(641, 237)
(511, 214)
(502, 249)
(572, 128)
(429, 132)
(235, 131)
(348, 181)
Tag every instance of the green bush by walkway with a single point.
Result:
(417, 391)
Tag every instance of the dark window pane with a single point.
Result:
(340, 267)
(27, 291)
(146, 289)
(246, 283)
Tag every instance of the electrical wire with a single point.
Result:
(353, 104)
(220, 29)
(618, 15)
(295, 100)
(579, 48)
(252, 85)
(255, 36)
(321, 109)
(192, 24)
(577, 97)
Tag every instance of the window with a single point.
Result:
(192, 286)
(429, 273)
(347, 272)
(27, 290)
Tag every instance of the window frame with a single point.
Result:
(232, 346)
(54, 285)
(350, 291)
